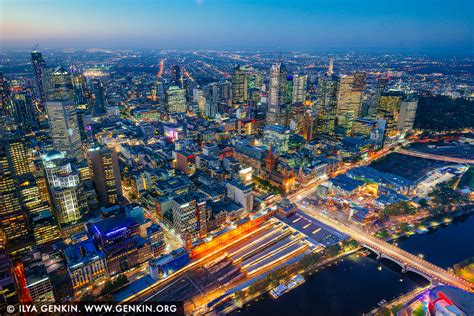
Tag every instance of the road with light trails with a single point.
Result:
(391, 251)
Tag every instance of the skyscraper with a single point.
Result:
(389, 109)
(328, 87)
(200, 99)
(39, 69)
(105, 172)
(176, 74)
(380, 88)
(407, 115)
(62, 115)
(212, 100)
(176, 99)
(65, 187)
(98, 107)
(349, 100)
(299, 88)
(278, 96)
(13, 221)
(239, 87)
(24, 112)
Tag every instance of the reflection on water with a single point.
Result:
(355, 285)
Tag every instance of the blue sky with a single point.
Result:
(415, 25)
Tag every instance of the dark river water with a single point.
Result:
(356, 284)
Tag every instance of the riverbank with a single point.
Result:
(243, 298)
(394, 305)
(464, 268)
(432, 222)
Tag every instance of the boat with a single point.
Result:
(382, 302)
(279, 291)
(422, 231)
(291, 285)
(298, 279)
(283, 288)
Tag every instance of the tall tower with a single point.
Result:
(328, 87)
(176, 75)
(39, 69)
(62, 115)
(105, 172)
(349, 100)
(239, 87)
(13, 221)
(65, 187)
(278, 97)
(299, 88)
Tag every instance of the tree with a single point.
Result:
(423, 203)
(384, 311)
(399, 208)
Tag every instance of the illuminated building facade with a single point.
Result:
(328, 87)
(278, 96)
(85, 263)
(299, 88)
(389, 109)
(62, 115)
(277, 136)
(349, 100)
(65, 187)
(241, 194)
(190, 216)
(176, 100)
(13, 220)
(44, 227)
(39, 69)
(118, 237)
(239, 87)
(407, 115)
(105, 172)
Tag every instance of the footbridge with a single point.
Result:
(435, 157)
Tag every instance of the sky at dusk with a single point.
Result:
(397, 25)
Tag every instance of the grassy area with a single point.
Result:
(465, 269)
(467, 179)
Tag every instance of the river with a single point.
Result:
(356, 284)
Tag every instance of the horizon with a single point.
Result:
(425, 27)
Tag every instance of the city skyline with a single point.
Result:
(423, 27)
(207, 157)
